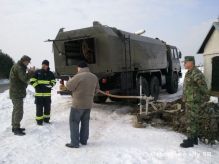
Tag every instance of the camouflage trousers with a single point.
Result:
(192, 119)
(17, 113)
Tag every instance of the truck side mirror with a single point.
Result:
(180, 55)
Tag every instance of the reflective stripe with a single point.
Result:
(34, 84)
(42, 94)
(33, 79)
(43, 82)
(53, 82)
(46, 116)
(39, 82)
(39, 117)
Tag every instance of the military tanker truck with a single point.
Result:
(118, 58)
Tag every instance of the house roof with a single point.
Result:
(215, 26)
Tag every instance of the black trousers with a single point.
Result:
(43, 108)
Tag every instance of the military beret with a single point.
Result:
(25, 58)
(189, 58)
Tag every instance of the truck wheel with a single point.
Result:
(155, 87)
(100, 99)
(145, 87)
(172, 86)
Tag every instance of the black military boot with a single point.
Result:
(83, 143)
(22, 129)
(46, 120)
(18, 131)
(71, 146)
(195, 140)
(40, 122)
(187, 143)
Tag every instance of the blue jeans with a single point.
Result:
(78, 116)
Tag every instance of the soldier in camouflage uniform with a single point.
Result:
(195, 93)
(18, 84)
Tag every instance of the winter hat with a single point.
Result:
(46, 62)
(25, 58)
(82, 65)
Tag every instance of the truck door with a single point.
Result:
(173, 58)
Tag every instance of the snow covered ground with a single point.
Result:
(113, 139)
(4, 85)
(4, 81)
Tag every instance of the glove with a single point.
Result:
(207, 98)
(52, 84)
(31, 69)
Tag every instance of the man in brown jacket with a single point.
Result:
(83, 86)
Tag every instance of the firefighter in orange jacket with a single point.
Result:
(43, 81)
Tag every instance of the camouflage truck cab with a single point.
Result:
(118, 58)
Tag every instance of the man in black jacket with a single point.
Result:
(43, 81)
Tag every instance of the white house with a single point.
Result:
(210, 49)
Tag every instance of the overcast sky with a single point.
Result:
(26, 24)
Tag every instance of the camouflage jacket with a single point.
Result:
(18, 81)
(195, 87)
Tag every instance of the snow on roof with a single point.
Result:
(215, 26)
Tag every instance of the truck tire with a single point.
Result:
(145, 86)
(100, 99)
(155, 87)
(172, 86)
